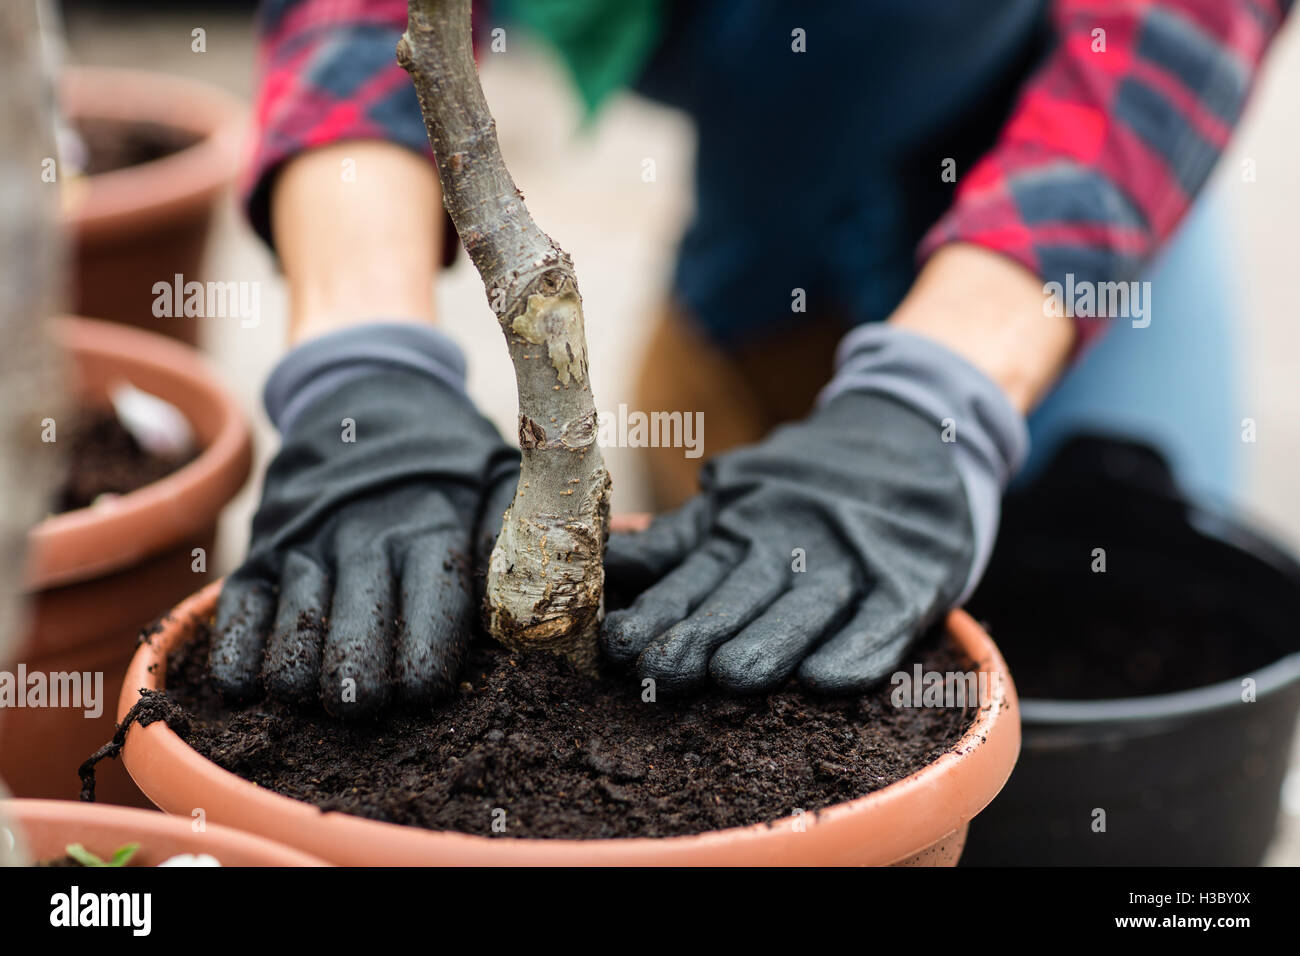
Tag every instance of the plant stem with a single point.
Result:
(546, 575)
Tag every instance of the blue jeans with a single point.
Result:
(1173, 384)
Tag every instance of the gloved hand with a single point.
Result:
(387, 492)
(828, 548)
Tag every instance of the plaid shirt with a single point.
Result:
(1110, 139)
(328, 73)
(1106, 149)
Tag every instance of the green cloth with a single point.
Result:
(604, 43)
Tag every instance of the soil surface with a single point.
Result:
(566, 755)
(112, 144)
(106, 459)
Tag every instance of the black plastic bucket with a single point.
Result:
(1156, 649)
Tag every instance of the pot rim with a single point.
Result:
(143, 825)
(895, 822)
(89, 542)
(132, 198)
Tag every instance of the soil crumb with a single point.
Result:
(539, 750)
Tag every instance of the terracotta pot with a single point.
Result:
(142, 224)
(96, 575)
(48, 826)
(921, 819)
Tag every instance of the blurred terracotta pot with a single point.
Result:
(48, 826)
(145, 223)
(920, 820)
(97, 575)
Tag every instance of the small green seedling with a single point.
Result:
(121, 857)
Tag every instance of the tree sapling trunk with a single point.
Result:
(546, 575)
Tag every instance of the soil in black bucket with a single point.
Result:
(105, 459)
(113, 144)
(574, 756)
(1175, 608)
(1117, 648)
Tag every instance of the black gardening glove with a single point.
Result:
(828, 548)
(387, 493)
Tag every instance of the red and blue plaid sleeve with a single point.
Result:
(1107, 145)
(328, 72)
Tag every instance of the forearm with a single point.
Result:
(989, 309)
(361, 246)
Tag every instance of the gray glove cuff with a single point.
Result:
(989, 437)
(318, 367)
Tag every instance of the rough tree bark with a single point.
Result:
(29, 262)
(546, 575)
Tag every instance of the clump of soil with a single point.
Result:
(568, 755)
(113, 144)
(106, 459)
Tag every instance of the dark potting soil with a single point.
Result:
(113, 144)
(1162, 621)
(567, 755)
(106, 459)
(1138, 652)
